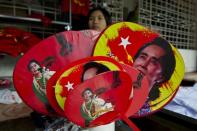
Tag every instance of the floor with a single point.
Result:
(22, 124)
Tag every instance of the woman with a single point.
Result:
(93, 106)
(40, 78)
(155, 60)
(98, 19)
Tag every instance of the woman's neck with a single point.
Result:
(38, 75)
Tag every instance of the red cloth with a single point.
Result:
(5, 82)
(14, 41)
(79, 7)
(45, 20)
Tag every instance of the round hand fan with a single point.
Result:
(99, 100)
(78, 72)
(150, 54)
(36, 67)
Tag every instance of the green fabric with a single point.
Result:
(41, 95)
(87, 118)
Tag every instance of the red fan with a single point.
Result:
(75, 74)
(140, 89)
(36, 67)
(96, 103)
(150, 54)
(16, 41)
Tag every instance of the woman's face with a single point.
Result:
(148, 63)
(34, 68)
(89, 73)
(87, 95)
(97, 21)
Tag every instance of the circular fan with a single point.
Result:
(76, 74)
(99, 100)
(36, 67)
(153, 56)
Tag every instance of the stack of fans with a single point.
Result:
(94, 78)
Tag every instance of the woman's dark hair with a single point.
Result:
(167, 61)
(104, 12)
(32, 61)
(87, 89)
(154, 93)
(100, 68)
